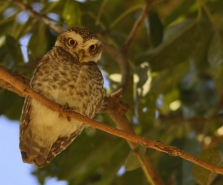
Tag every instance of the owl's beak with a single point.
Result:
(81, 54)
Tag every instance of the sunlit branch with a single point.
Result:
(117, 113)
(171, 150)
(10, 87)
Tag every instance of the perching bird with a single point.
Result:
(69, 76)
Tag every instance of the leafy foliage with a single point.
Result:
(176, 92)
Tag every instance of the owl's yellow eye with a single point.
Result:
(93, 47)
(72, 42)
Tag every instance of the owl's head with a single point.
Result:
(83, 44)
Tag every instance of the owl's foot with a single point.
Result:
(104, 105)
(69, 109)
(113, 103)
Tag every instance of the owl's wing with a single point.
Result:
(34, 152)
(27, 108)
(26, 139)
(58, 146)
(25, 116)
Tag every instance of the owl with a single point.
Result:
(69, 76)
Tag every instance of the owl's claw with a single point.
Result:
(69, 109)
(103, 106)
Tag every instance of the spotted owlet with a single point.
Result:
(69, 76)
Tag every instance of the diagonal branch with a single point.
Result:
(38, 16)
(137, 26)
(171, 150)
(115, 109)
(10, 87)
(117, 112)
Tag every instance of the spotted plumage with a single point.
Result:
(68, 75)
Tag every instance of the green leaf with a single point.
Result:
(170, 77)
(3, 50)
(215, 54)
(50, 6)
(196, 92)
(135, 158)
(21, 30)
(179, 43)
(202, 175)
(183, 8)
(132, 162)
(8, 20)
(4, 5)
(156, 28)
(218, 76)
(72, 13)
(38, 42)
(14, 50)
(193, 147)
(170, 166)
(10, 104)
(10, 52)
(215, 59)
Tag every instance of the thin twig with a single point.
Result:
(45, 20)
(100, 11)
(196, 120)
(171, 150)
(137, 26)
(124, 14)
(207, 11)
(117, 112)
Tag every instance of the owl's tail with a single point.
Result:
(34, 149)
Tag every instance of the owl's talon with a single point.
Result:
(60, 115)
(69, 109)
(103, 106)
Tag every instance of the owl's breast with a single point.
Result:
(79, 86)
(90, 92)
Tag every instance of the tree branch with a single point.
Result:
(38, 16)
(137, 26)
(171, 150)
(10, 87)
(117, 111)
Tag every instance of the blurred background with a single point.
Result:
(175, 87)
